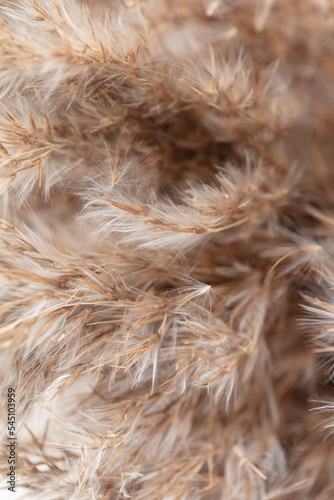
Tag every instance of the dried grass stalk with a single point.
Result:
(166, 247)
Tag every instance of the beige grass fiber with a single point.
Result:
(167, 248)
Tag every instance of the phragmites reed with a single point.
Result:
(167, 248)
